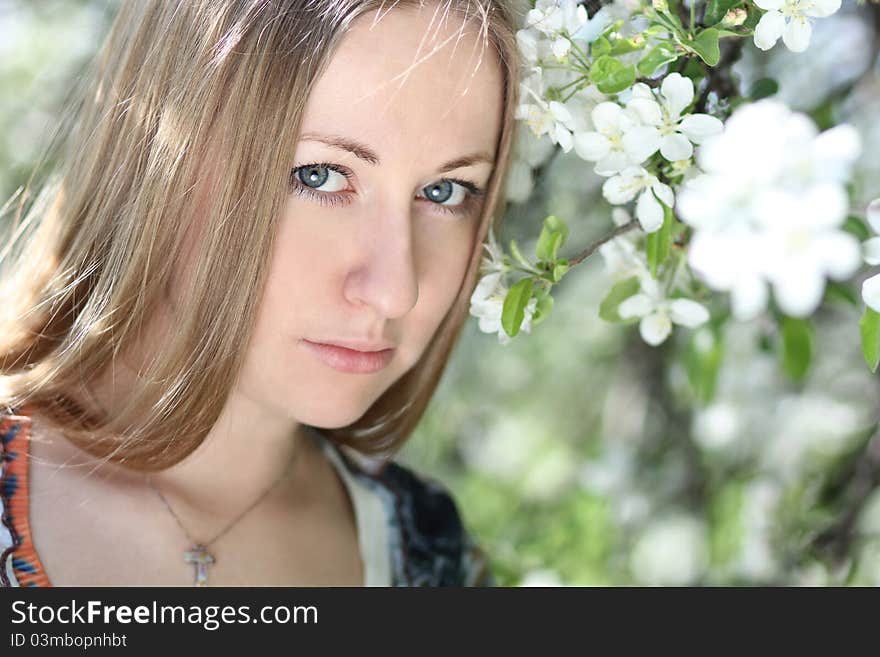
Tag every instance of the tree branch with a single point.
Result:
(590, 250)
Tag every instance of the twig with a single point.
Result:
(590, 250)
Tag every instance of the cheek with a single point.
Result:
(443, 258)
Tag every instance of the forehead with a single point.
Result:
(410, 78)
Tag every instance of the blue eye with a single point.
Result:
(316, 175)
(444, 190)
(306, 180)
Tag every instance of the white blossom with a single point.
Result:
(636, 181)
(789, 19)
(769, 210)
(557, 19)
(623, 259)
(678, 133)
(533, 47)
(544, 117)
(658, 313)
(487, 304)
(620, 139)
(493, 259)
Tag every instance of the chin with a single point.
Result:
(331, 412)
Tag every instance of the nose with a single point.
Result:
(385, 276)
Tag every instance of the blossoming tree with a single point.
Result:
(731, 435)
(729, 191)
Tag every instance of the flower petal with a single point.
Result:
(646, 109)
(676, 147)
(748, 298)
(620, 189)
(799, 291)
(591, 146)
(873, 214)
(655, 328)
(606, 116)
(527, 42)
(641, 90)
(561, 46)
(769, 4)
(641, 142)
(486, 287)
(822, 8)
(637, 305)
(871, 250)
(871, 292)
(688, 313)
(664, 193)
(612, 163)
(649, 212)
(678, 92)
(698, 127)
(561, 113)
(563, 137)
(769, 29)
(796, 35)
(841, 255)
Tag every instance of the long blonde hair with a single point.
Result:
(177, 85)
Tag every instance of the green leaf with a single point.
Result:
(559, 270)
(618, 293)
(611, 75)
(733, 33)
(514, 249)
(620, 80)
(658, 242)
(855, 226)
(542, 310)
(624, 46)
(670, 20)
(716, 10)
(651, 32)
(600, 47)
(764, 88)
(693, 70)
(797, 347)
(553, 235)
(754, 15)
(842, 292)
(655, 58)
(706, 46)
(869, 326)
(514, 310)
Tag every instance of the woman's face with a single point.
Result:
(381, 218)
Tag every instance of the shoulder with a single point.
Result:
(434, 546)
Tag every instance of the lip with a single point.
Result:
(352, 361)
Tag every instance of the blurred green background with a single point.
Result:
(578, 454)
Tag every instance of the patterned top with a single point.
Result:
(408, 526)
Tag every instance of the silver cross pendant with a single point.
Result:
(201, 558)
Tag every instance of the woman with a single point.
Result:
(245, 183)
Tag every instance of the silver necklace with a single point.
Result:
(198, 554)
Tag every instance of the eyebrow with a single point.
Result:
(365, 153)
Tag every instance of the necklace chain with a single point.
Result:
(284, 475)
